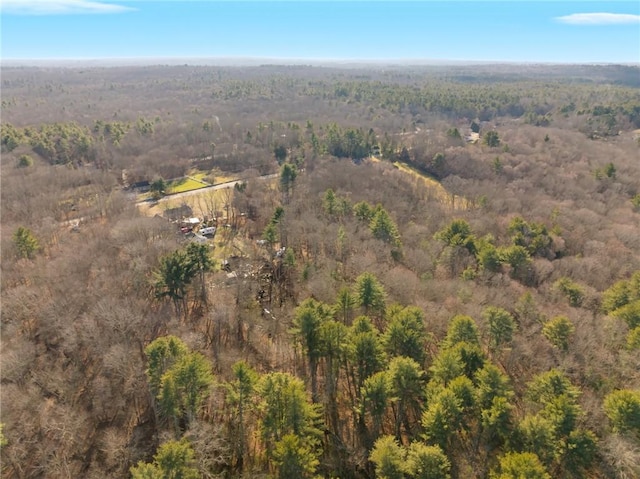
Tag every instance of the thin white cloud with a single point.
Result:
(600, 19)
(59, 7)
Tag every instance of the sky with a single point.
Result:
(501, 31)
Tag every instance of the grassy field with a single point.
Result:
(224, 179)
(200, 176)
(194, 180)
(217, 175)
(212, 196)
(184, 184)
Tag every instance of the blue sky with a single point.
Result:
(514, 31)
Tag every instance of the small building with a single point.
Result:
(141, 186)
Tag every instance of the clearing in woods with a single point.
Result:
(454, 201)
(434, 187)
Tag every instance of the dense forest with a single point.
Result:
(413, 272)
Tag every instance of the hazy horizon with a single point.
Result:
(278, 61)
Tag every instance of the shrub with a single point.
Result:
(25, 161)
